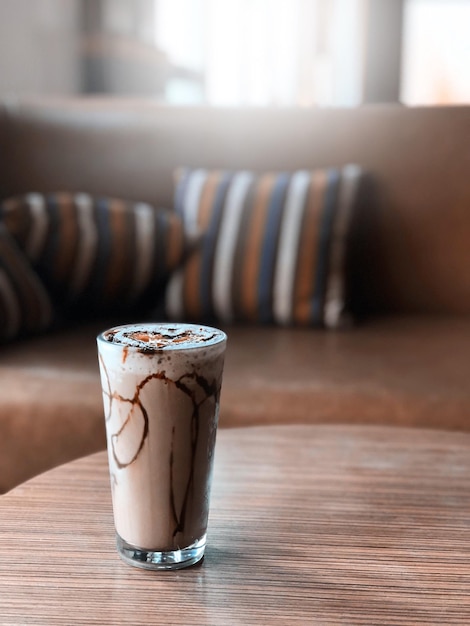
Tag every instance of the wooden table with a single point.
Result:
(309, 525)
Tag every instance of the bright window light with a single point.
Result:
(436, 52)
(264, 52)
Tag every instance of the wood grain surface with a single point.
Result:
(309, 525)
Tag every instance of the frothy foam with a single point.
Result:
(156, 337)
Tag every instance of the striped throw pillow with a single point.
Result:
(96, 253)
(273, 249)
(24, 303)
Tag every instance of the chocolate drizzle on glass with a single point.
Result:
(211, 390)
(191, 384)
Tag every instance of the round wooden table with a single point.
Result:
(308, 525)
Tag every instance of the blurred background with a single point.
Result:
(239, 52)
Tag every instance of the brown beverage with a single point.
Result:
(161, 388)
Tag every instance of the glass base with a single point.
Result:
(172, 559)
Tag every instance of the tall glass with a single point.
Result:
(161, 389)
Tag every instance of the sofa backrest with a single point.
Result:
(416, 255)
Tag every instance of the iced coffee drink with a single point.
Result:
(161, 388)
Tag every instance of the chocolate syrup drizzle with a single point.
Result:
(210, 389)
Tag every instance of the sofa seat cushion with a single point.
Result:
(409, 371)
(404, 371)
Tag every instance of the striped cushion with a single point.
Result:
(96, 253)
(274, 246)
(24, 304)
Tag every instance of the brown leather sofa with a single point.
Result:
(407, 362)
